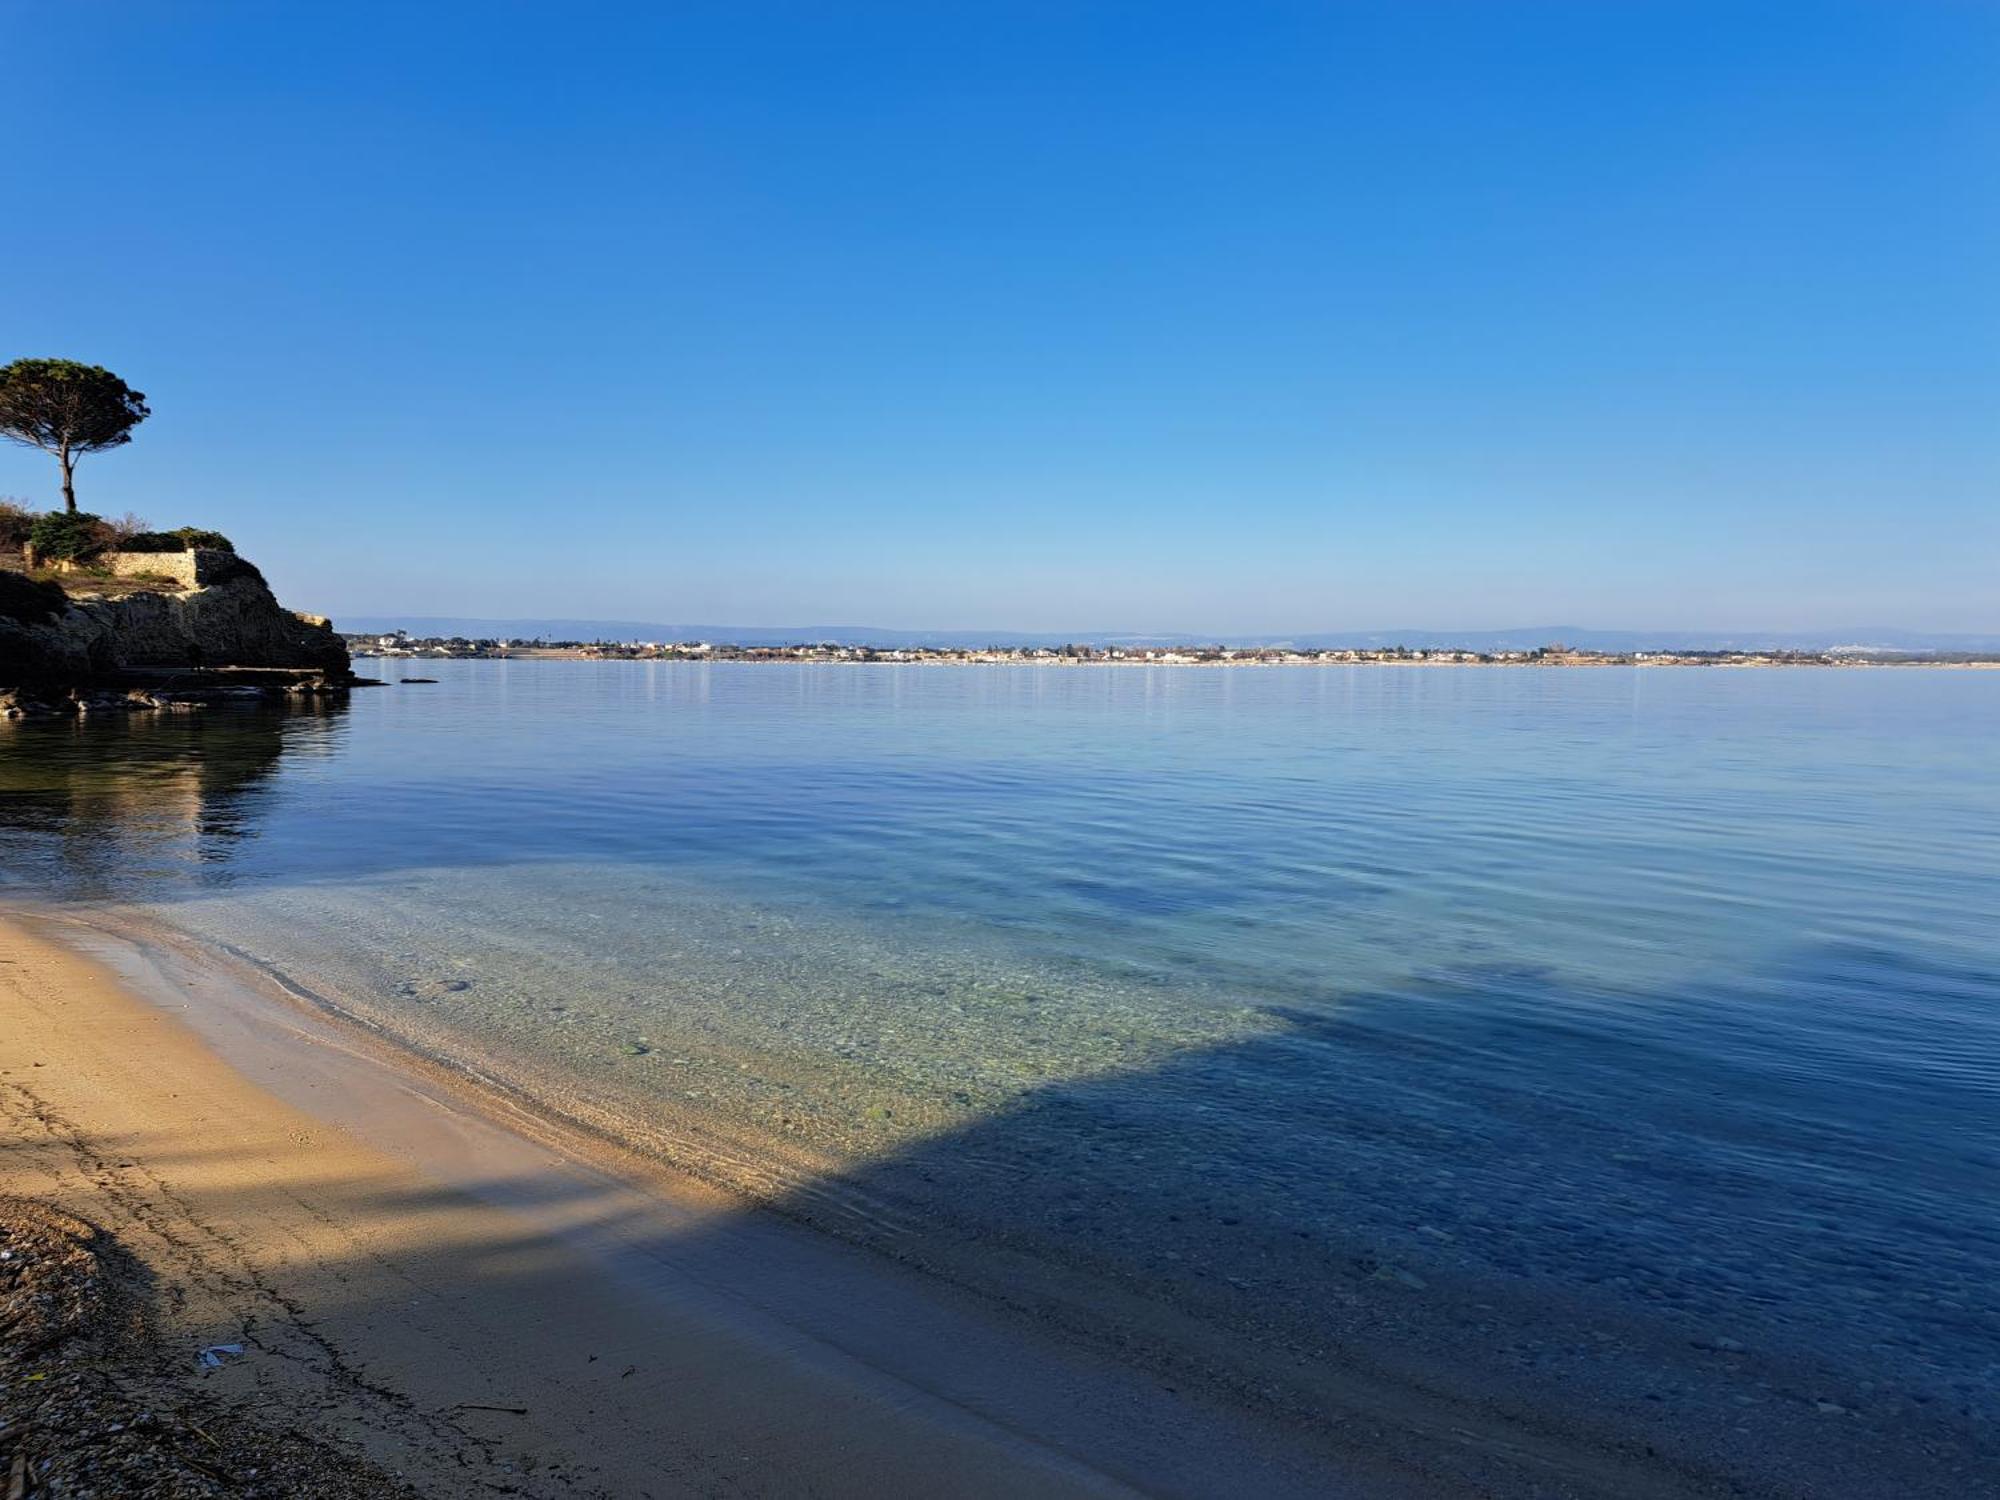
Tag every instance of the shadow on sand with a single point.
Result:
(1198, 1320)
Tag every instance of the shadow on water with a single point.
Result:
(1488, 1347)
(1459, 1181)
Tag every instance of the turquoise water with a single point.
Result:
(1312, 1001)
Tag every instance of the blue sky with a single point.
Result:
(1227, 317)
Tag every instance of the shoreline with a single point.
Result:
(761, 656)
(936, 1361)
(303, 1180)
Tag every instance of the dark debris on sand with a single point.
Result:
(92, 1408)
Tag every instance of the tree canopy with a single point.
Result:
(68, 409)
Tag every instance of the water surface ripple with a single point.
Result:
(1317, 1002)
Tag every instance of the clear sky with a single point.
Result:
(1228, 316)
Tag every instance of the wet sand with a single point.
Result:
(398, 1261)
(481, 1299)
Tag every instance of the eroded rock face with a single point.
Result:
(234, 621)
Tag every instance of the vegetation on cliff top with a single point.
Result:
(180, 539)
(67, 536)
(16, 521)
(76, 536)
(67, 409)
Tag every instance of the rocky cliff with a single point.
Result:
(57, 638)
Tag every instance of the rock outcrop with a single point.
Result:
(57, 640)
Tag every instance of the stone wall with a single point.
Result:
(191, 570)
(195, 569)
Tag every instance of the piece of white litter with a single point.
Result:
(212, 1355)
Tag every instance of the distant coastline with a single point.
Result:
(400, 646)
(1846, 638)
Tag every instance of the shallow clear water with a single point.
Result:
(1283, 990)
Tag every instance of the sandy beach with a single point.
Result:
(478, 1307)
(428, 1280)
(463, 1295)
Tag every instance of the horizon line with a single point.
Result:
(389, 620)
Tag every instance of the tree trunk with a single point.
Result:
(68, 461)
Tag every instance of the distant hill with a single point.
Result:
(1879, 638)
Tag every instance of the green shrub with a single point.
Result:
(185, 539)
(153, 541)
(67, 536)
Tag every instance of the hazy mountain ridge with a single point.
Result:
(1882, 638)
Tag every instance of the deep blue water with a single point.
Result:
(1672, 992)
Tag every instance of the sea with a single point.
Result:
(1528, 1021)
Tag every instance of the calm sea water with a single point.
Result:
(1280, 993)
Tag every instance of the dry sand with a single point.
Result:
(398, 1263)
(481, 1303)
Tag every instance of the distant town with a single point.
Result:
(401, 645)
